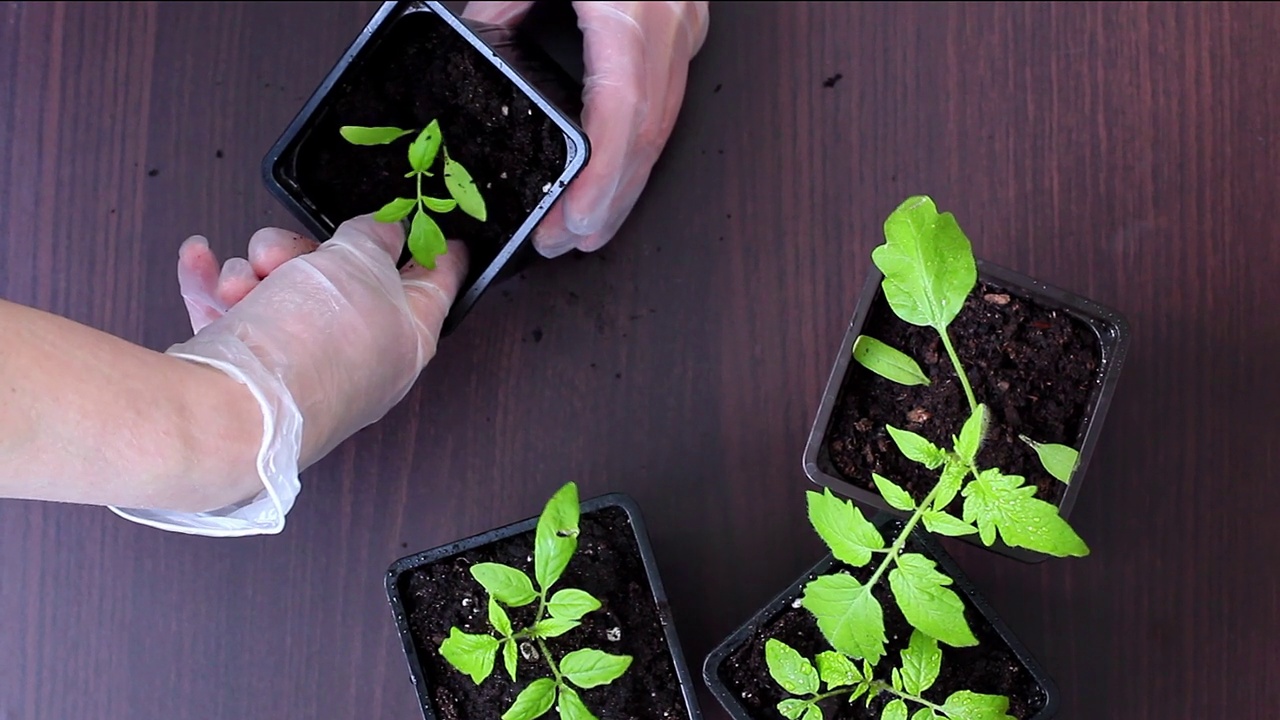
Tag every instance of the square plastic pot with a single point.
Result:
(523, 62)
(1112, 331)
(613, 500)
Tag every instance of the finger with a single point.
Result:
(269, 248)
(551, 238)
(430, 294)
(198, 282)
(508, 14)
(366, 233)
(236, 281)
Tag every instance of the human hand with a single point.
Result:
(636, 56)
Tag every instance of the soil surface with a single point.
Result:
(990, 667)
(1037, 369)
(420, 71)
(607, 565)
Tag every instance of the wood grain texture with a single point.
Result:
(1126, 152)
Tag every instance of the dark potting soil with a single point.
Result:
(607, 565)
(420, 71)
(1036, 368)
(990, 667)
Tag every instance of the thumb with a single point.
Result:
(430, 294)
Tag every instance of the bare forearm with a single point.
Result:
(86, 417)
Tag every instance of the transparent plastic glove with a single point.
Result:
(636, 57)
(327, 341)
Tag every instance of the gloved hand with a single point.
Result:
(327, 340)
(636, 56)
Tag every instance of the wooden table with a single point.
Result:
(1126, 152)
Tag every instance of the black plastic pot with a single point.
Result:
(1112, 331)
(713, 668)
(399, 571)
(536, 76)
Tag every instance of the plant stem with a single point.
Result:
(879, 686)
(955, 362)
(901, 541)
(421, 205)
(546, 655)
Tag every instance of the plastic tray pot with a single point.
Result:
(1044, 361)
(738, 676)
(507, 113)
(434, 591)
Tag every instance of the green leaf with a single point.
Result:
(836, 670)
(470, 654)
(426, 242)
(926, 601)
(953, 475)
(438, 205)
(896, 677)
(971, 435)
(863, 687)
(1059, 460)
(571, 706)
(357, 135)
(553, 627)
(572, 604)
(793, 708)
(896, 710)
(848, 615)
(965, 705)
(463, 189)
(813, 712)
(422, 151)
(509, 657)
(924, 714)
(534, 701)
(888, 362)
(557, 536)
(498, 618)
(927, 263)
(396, 210)
(588, 668)
(940, 523)
(921, 663)
(892, 494)
(792, 671)
(510, 586)
(916, 448)
(843, 528)
(995, 501)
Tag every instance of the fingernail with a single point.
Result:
(193, 242)
(585, 223)
(557, 248)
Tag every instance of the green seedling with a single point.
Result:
(555, 542)
(426, 240)
(929, 270)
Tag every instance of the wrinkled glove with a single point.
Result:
(327, 341)
(636, 56)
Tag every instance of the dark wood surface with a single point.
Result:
(1125, 152)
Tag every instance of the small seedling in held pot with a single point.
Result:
(558, 613)
(426, 240)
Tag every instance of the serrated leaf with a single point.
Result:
(813, 712)
(463, 189)
(841, 525)
(924, 714)
(792, 671)
(426, 241)
(438, 205)
(498, 618)
(1058, 460)
(971, 435)
(470, 654)
(509, 657)
(396, 210)
(572, 604)
(534, 701)
(792, 708)
(557, 536)
(927, 263)
(892, 494)
(965, 705)
(995, 501)
(896, 710)
(940, 523)
(848, 615)
(921, 663)
(571, 707)
(836, 670)
(358, 135)
(510, 586)
(953, 475)
(887, 361)
(926, 601)
(553, 627)
(422, 151)
(589, 668)
(917, 448)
